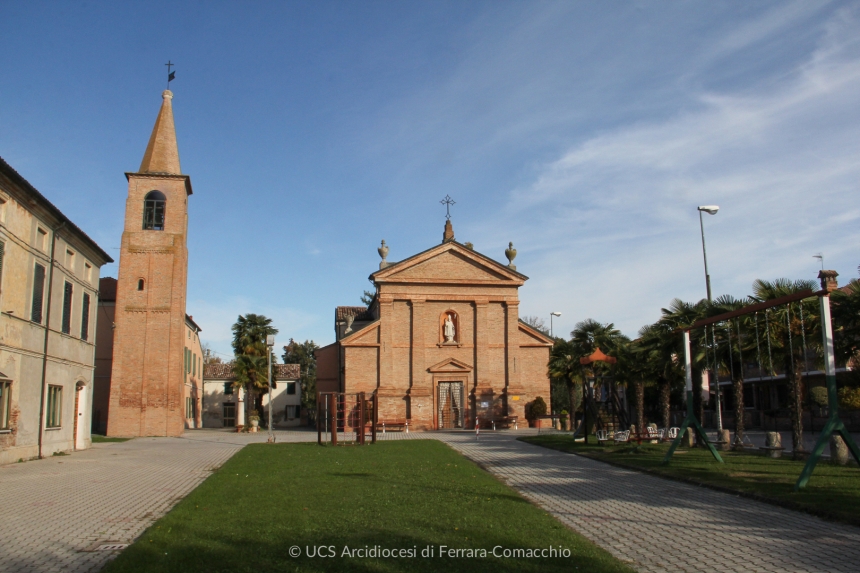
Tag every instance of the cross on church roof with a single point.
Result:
(447, 201)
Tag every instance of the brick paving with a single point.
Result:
(53, 509)
(657, 525)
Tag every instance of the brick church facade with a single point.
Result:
(441, 344)
(148, 371)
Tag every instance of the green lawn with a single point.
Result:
(407, 495)
(833, 492)
(97, 439)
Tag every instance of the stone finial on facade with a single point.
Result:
(383, 252)
(511, 254)
(448, 235)
(828, 281)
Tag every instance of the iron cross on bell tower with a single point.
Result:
(447, 201)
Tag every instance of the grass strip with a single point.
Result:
(98, 439)
(402, 495)
(832, 493)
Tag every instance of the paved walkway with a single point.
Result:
(660, 525)
(52, 510)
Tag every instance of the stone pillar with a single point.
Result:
(386, 354)
(240, 406)
(481, 344)
(838, 450)
(512, 348)
(726, 437)
(689, 438)
(774, 440)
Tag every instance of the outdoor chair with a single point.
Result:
(602, 436)
(622, 436)
(673, 433)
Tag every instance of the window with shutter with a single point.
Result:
(2, 255)
(38, 293)
(85, 317)
(67, 308)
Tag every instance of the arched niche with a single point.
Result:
(444, 318)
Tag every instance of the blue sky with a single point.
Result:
(585, 132)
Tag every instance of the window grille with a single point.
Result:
(38, 293)
(54, 417)
(67, 308)
(153, 211)
(228, 387)
(229, 414)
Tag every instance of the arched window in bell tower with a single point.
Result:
(153, 211)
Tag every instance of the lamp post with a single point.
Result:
(711, 210)
(552, 314)
(270, 345)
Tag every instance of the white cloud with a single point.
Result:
(609, 229)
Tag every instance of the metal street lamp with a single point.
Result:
(270, 345)
(552, 314)
(711, 210)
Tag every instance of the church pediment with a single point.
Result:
(449, 365)
(449, 263)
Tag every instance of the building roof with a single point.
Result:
(107, 289)
(162, 153)
(225, 371)
(359, 313)
(38, 199)
(190, 321)
(218, 371)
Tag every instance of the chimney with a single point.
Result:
(828, 281)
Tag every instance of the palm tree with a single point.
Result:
(658, 347)
(729, 358)
(589, 335)
(251, 356)
(564, 365)
(679, 315)
(846, 323)
(787, 332)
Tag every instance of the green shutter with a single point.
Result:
(38, 293)
(85, 317)
(67, 308)
(2, 255)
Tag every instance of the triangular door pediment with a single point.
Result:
(450, 263)
(450, 365)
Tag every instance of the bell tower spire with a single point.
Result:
(162, 153)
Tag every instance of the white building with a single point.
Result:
(49, 276)
(223, 403)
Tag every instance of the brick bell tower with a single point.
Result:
(148, 355)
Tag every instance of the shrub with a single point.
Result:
(538, 408)
(849, 398)
(818, 395)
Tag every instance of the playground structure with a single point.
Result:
(346, 418)
(834, 423)
(591, 405)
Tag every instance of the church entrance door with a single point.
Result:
(450, 403)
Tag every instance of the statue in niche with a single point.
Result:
(449, 329)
